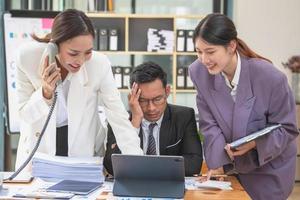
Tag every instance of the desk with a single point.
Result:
(237, 193)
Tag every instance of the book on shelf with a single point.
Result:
(189, 41)
(180, 40)
(113, 39)
(103, 40)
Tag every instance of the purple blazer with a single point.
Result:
(263, 97)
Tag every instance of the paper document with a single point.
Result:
(253, 136)
(192, 184)
(44, 195)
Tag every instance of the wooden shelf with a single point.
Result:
(133, 40)
(124, 90)
(136, 53)
(186, 91)
(186, 53)
(105, 15)
(117, 15)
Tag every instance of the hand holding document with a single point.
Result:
(253, 136)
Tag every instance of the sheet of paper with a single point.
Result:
(192, 184)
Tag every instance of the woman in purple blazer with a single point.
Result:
(239, 92)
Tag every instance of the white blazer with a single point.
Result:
(91, 86)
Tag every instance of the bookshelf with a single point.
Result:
(132, 42)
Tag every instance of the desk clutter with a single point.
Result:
(55, 168)
(38, 189)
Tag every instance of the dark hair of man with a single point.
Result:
(66, 25)
(148, 72)
(218, 29)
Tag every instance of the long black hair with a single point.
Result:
(218, 29)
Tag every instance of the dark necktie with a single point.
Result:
(151, 150)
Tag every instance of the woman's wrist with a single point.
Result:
(47, 95)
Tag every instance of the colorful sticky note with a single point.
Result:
(47, 23)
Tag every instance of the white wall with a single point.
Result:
(270, 27)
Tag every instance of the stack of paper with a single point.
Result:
(55, 168)
(160, 40)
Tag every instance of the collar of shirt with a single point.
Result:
(233, 84)
(145, 127)
(146, 123)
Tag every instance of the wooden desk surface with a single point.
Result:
(237, 193)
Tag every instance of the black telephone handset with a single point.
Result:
(52, 51)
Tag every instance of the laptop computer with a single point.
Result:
(148, 176)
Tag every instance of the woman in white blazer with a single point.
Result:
(74, 128)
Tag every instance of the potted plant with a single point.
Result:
(293, 64)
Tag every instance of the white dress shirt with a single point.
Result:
(156, 129)
(235, 81)
(62, 99)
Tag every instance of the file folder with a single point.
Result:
(103, 40)
(126, 76)
(189, 41)
(113, 40)
(180, 40)
(96, 40)
(189, 83)
(117, 71)
(180, 82)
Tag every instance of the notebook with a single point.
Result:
(148, 176)
(75, 187)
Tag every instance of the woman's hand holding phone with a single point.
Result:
(50, 76)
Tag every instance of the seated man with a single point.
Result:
(164, 129)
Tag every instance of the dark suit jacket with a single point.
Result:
(178, 136)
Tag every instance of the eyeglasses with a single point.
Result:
(156, 101)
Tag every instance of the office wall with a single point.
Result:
(1, 89)
(271, 28)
